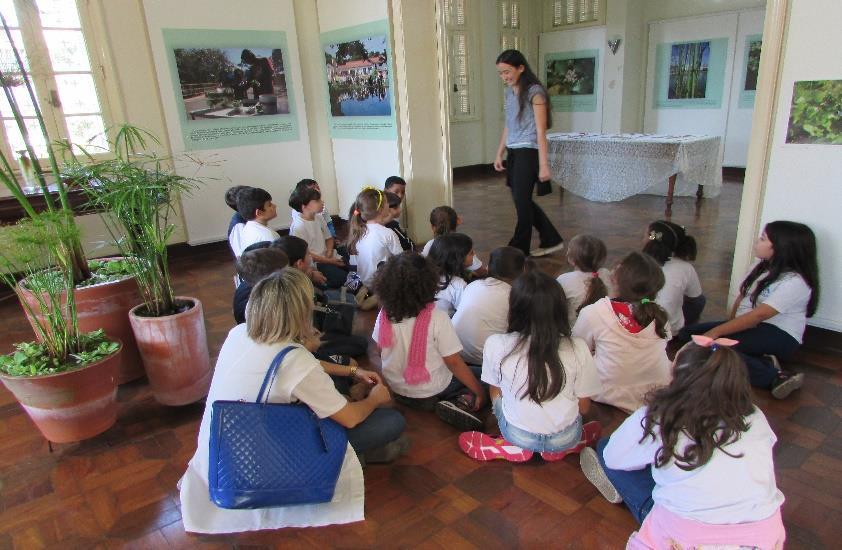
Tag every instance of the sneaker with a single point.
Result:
(590, 435)
(786, 383)
(548, 250)
(339, 359)
(774, 360)
(463, 419)
(389, 452)
(480, 446)
(354, 284)
(596, 475)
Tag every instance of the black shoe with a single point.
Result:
(786, 383)
(389, 452)
(456, 416)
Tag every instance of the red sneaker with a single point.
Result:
(590, 435)
(480, 446)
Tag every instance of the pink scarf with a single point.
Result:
(416, 365)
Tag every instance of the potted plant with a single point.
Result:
(65, 381)
(104, 290)
(137, 192)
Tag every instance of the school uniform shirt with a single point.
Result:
(448, 298)
(322, 217)
(254, 232)
(441, 342)
(377, 245)
(680, 280)
(574, 284)
(239, 373)
(235, 239)
(737, 485)
(475, 265)
(509, 371)
(630, 364)
(314, 231)
(403, 236)
(789, 296)
(483, 310)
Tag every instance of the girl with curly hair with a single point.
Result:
(694, 465)
(419, 348)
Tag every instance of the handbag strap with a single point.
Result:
(271, 373)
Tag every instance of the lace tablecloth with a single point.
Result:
(612, 167)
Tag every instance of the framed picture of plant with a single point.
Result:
(690, 75)
(751, 67)
(815, 116)
(571, 79)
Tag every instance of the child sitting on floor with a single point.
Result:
(256, 207)
(394, 221)
(540, 380)
(370, 240)
(695, 465)
(310, 226)
(252, 266)
(589, 281)
(628, 334)
(443, 220)
(323, 216)
(231, 201)
(451, 254)
(419, 348)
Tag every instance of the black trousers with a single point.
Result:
(521, 175)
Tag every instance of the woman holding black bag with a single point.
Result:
(279, 319)
(524, 139)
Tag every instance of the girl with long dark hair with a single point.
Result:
(777, 296)
(452, 254)
(694, 465)
(524, 139)
(540, 379)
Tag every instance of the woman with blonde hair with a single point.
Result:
(279, 314)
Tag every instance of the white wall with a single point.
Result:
(803, 181)
(670, 9)
(275, 167)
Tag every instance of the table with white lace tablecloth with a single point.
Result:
(613, 167)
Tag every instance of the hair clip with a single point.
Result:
(594, 274)
(708, 342)
(356, 212)
(644, 301)
(655, 235)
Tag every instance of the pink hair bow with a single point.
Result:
(708, 342)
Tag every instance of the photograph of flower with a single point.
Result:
(816, 113)
(232, 82)
(752, 65)
(357, 74)
(688, 70)
(571, 76)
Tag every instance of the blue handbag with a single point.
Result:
(271, 454)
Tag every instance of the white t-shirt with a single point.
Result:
(239, 373)
(253, 232)
(235, 239)
(314, 231)
(441, 342)
(448, 298)
(483, 310)
(680, 280)
(475, 264)
(789, 296)
(734, 487)
(322, 217)
(377, 245)
(510, 373)
(574, 284)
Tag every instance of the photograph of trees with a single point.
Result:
(688, 71)
(571, 76)
(358, 77)
(752, 65)
(816, 112)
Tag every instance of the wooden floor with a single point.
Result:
(119, 489)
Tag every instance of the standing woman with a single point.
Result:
(528, 115)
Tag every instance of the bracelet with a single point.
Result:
(353, 371)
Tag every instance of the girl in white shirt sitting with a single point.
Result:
(589, 281)
(540, 379)
(628, 334)
(444, 220)
(484, 306)
(370, 240)
(681, 296)
(694, 465)
(770, 314)
(452, 254)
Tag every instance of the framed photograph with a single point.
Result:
(571, 79)
(815, 116)
(690, 74)
(751, 66)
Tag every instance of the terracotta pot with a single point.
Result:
(175, 353)
(105, 306)
(73, 405)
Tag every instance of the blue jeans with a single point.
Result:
(457, 388)
(754, 343)
(552, 443)
(334, 274)
(635, 486)
(381, 427)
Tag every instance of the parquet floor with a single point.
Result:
(118, 490)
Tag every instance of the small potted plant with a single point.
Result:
(137, 192)
(67, 380)
(104, 289)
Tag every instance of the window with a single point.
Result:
(511, 27)
(50, 36)
(570, 13)
(460, 59)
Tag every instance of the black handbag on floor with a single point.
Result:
(543, 187)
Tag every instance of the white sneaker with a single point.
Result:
(549, 250)
(596, 475)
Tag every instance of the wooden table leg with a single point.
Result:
(700, 194)
(670, 191)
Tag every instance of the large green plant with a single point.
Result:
(137, 192)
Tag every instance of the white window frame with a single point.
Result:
(571, 14)
(512, 37)
(43, 76)
(465, 30)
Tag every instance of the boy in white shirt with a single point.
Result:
(310, 226)
(256, 207)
